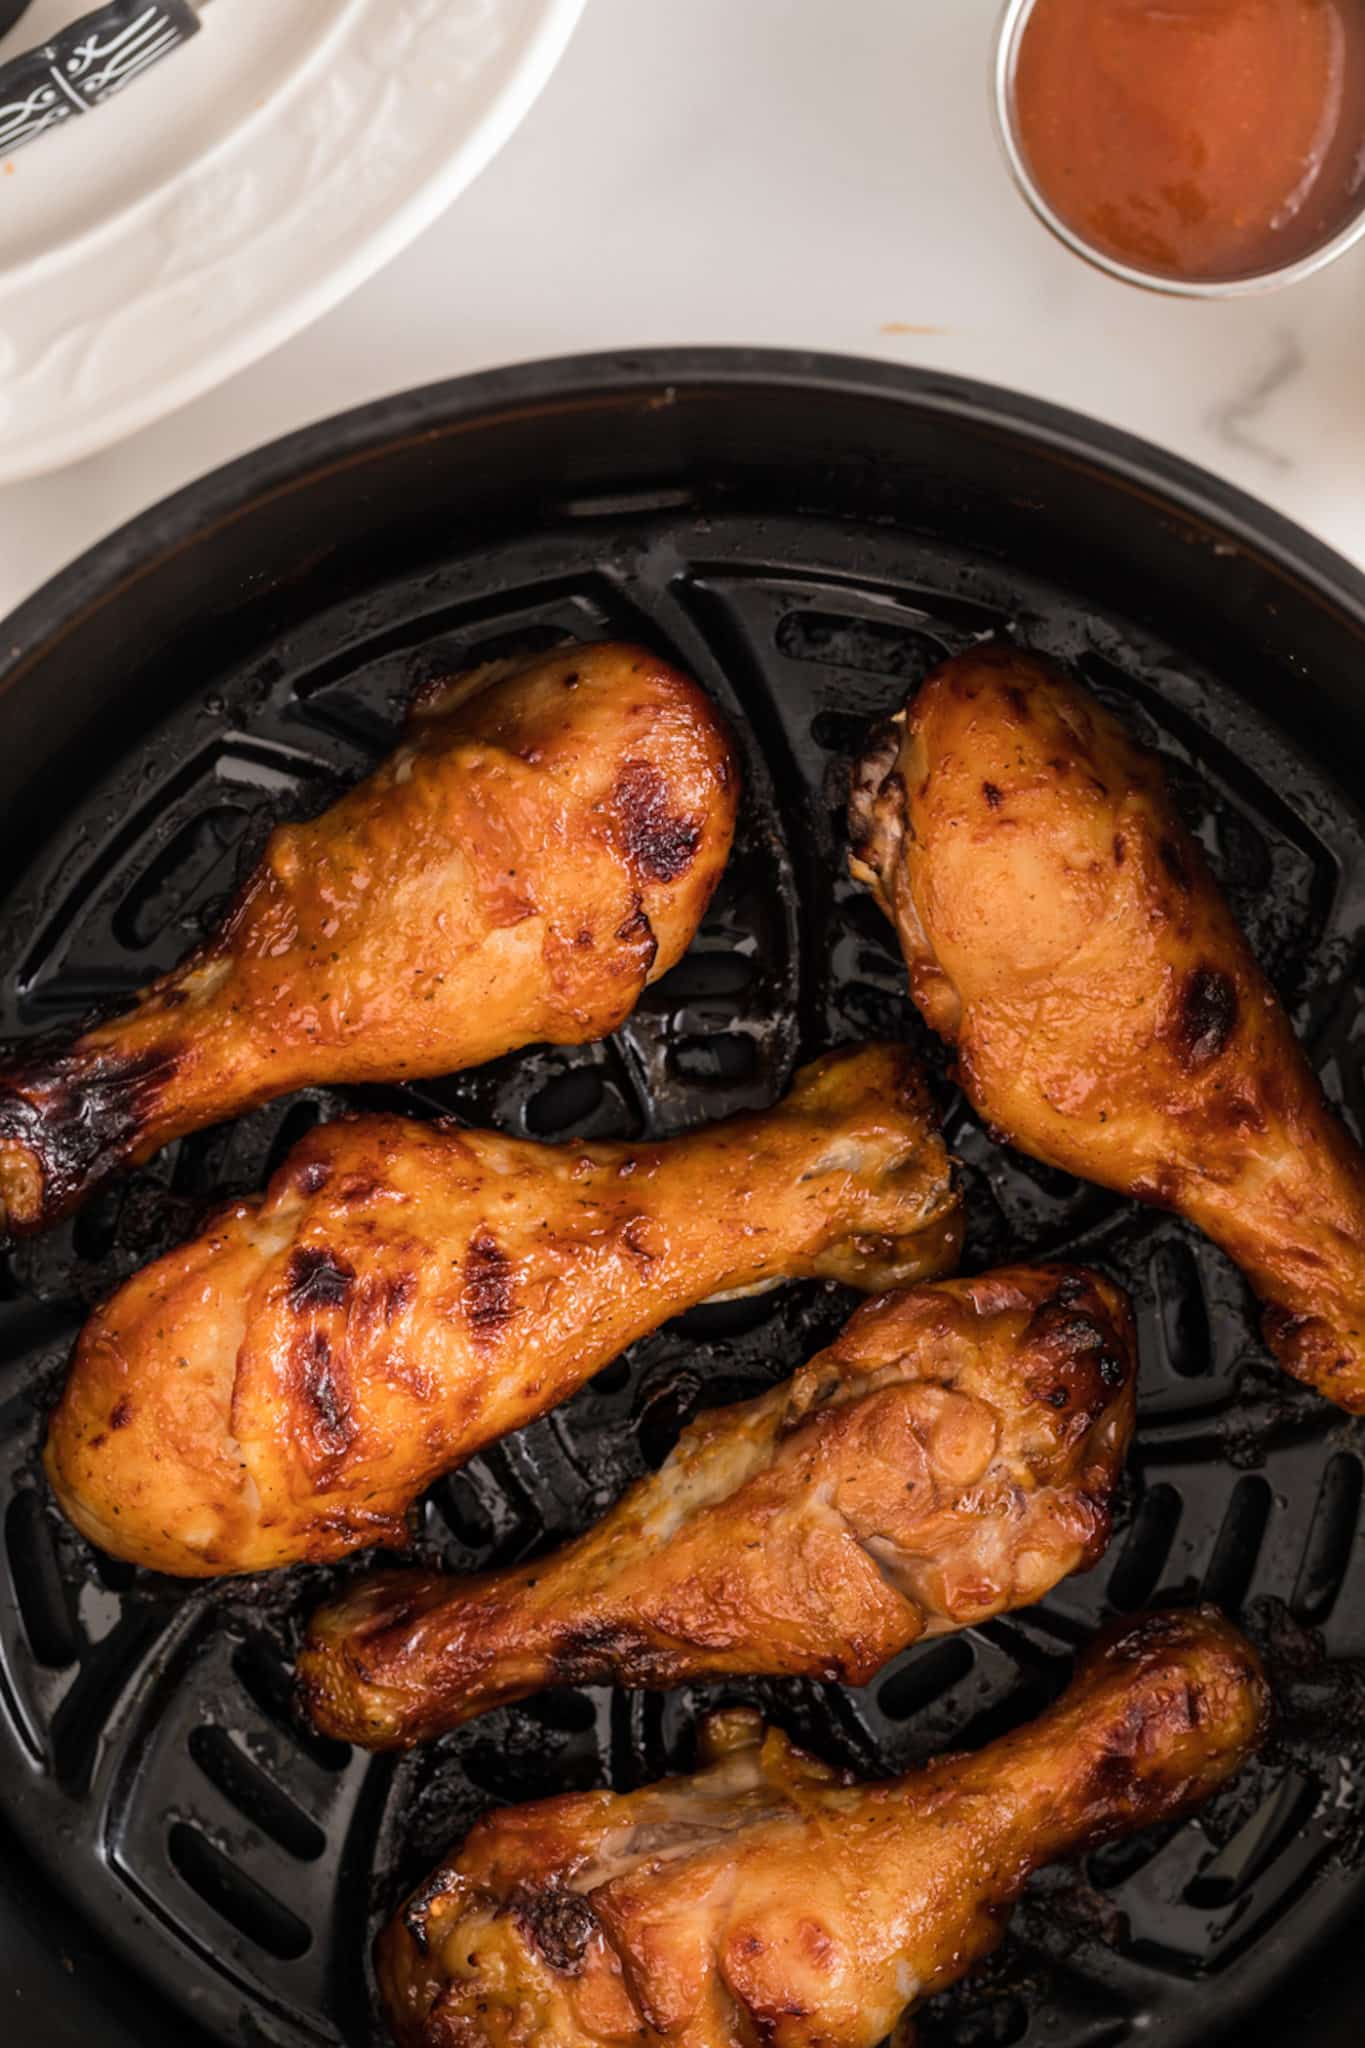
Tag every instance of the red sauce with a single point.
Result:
(1199, 139)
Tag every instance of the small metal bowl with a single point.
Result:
(1012, 26)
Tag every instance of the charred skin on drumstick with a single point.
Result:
(542, 845)
(1063, 932)
(952, 1455)
(285, 1385)
(769, 1899)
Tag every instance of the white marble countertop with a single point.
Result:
(780, 172)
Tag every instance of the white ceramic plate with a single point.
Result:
(234, 193)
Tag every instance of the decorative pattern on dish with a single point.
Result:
(386, 110)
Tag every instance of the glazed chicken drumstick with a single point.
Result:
(1063, 931)
(767, 1899)
(286, 1384)
(542, 845)
(952, 1455)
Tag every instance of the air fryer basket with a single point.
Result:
(183, 1862)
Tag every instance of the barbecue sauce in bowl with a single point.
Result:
(1201, 140)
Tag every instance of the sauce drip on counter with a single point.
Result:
(1197, 139)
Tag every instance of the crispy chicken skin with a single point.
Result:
(286, 1384)
(768, 1899)
(1063, 931)
(542, 845)
(952, 1455)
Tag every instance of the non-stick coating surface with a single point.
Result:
(148, 1757)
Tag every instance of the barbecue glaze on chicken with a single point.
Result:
(953, 1454)
(1063, 931)
(286, 1384)
(542, 845)
(767, 1899)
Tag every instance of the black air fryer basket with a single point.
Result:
(181, 1862)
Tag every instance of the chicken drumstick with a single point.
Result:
(768, 1899)
(286, 1384)
(952, 1455)
(542, 845)
(1063, 931)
